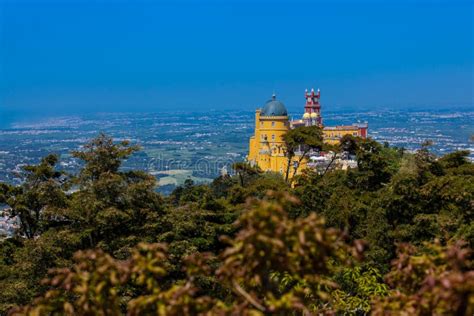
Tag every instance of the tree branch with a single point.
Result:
(248, 297)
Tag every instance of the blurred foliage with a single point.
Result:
(436, 281)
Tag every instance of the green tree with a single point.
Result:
(111, 208)
(38, 199)
(375, 164)
(303, 139)
(358, 287)
(349, 144)
(244, 171)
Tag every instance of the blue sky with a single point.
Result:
(85, 56)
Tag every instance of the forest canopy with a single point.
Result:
(391, 237)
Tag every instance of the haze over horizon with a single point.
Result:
(88, 56)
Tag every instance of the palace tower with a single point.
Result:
(312, 109)
(267, 148)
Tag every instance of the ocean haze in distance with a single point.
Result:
(75, 57)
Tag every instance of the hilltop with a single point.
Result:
(394, 234)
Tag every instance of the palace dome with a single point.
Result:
(306, 116)
(274, 107)
(314, 115)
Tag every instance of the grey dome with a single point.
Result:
(274, 108)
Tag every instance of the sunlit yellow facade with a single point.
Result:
(332, 134)
(267, 148)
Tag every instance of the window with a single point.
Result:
(273, 124)
(273, 137)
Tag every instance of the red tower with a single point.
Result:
(312, 108)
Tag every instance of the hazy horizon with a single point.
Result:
(10, 118)
(85, 56)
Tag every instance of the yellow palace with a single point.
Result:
(266, 146)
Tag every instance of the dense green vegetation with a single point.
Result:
(392, 237)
